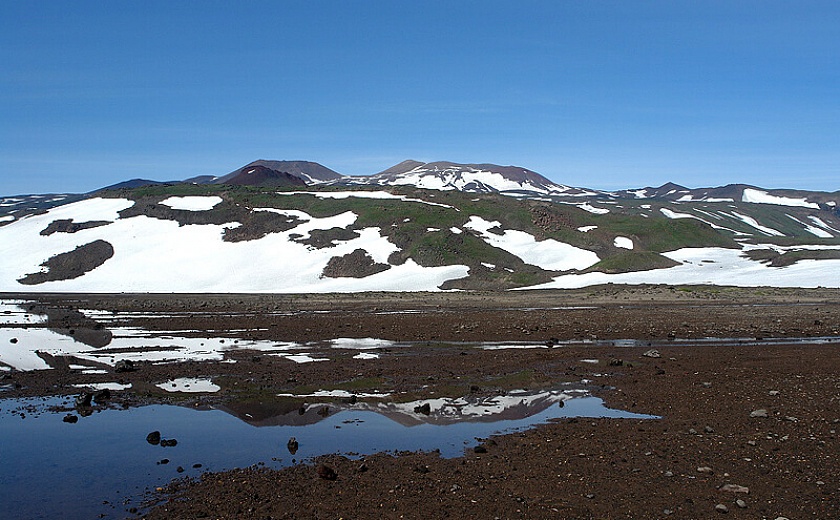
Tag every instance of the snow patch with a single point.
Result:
(547, 254)
(193, 202)
(623, 242)
(586, 229)
(762, 197)
(104, 386)
(379, 195)
(754, 223)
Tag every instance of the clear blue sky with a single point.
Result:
(588, 93)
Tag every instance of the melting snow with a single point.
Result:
(335, 393)
(547, 254)
(7, 218)
(379, 195)
(193, 202)
(714, 266)
(818, 232)
(592, 209)
(623, 242)
(196, 258)
(586, 229)
(104, 386)
(754, 223)
(762, 197)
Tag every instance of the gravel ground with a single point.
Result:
(748, 428)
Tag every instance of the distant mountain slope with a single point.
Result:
(473, 178)
(309, 172)
(257, 175)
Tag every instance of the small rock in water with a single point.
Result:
(652, 353)
(759, 413)
(720, 508)
(102, 395)
(168, 442)
(83, 399)
(292, 445)
(153, 438)
(70, 418)
(13, 341)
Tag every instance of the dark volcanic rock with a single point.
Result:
(124, 365)
(68, 226)
(325, 472)
(73, 264)
(153, 438)
(357, 264)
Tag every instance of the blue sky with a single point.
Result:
(588, 93)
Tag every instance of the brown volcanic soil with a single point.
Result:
(582, 468)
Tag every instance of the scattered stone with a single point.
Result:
(153, 438)
(734, 488)
(362, 467)
(168, 443)
(616, 362)
(708, 429)
(740, 503)
(292, 445)
(706, 384)
(590, 496)
(102, 395)
(669, 473)
(83, 399)
(70, 418)
(759, 413)
(422, 469)
(791, 419)
(720, 508)
(480, 449)
(652, 353)
(692, 431)
(704, 469)
(774, 392)
(751, 443)
(425, 409)
(124, 365)
(180, 469)
(667, 512)
(325, 472)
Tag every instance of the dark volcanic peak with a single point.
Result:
(130, 184)
(257, 175)
(310, 172)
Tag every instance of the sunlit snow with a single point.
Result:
(762, 197)
(623, 242)
(193, 202)
(714, 266)
(547, 254)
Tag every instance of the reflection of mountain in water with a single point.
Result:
(442, 411)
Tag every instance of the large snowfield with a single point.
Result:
(155, 255)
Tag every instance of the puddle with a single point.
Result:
(102, 465)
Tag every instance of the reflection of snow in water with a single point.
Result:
(190, 385)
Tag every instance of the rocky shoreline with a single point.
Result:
(748, 427)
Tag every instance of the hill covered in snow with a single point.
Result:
(327, 236)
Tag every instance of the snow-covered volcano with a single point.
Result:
(474, 178)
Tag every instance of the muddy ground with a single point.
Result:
(713, 452)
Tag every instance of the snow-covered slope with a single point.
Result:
(476, 178)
